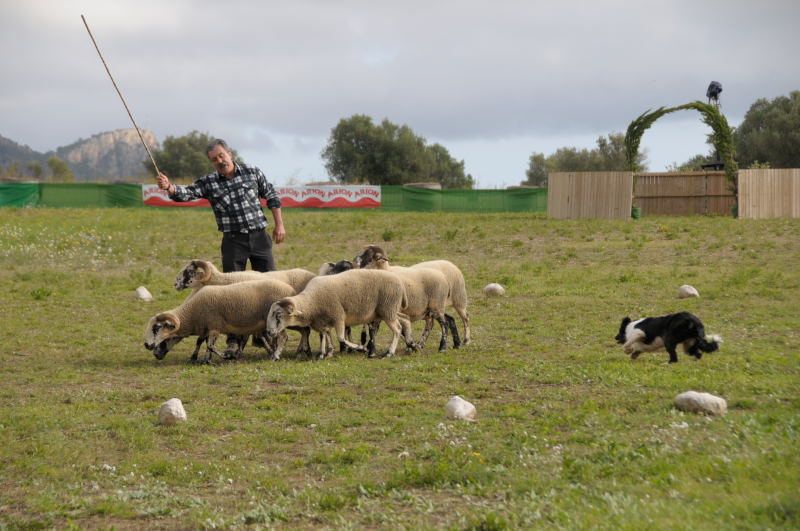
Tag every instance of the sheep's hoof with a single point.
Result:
(387, 354)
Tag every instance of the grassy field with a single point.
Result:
(571, 434)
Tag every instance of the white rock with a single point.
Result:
(686, 291)
(171, 412)
(695, 402)
(494, 289)
(458, 408)
(143, 294)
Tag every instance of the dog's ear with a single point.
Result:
(625, 321)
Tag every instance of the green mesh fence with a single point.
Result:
(89, 195)
(399, 198)
(19, 194)
(393, 198)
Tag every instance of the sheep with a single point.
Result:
(427, 291)
(335, 301)
(199, 273)
(458, 289)
(329, 268)
(235, 309)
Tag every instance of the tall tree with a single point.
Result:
(184, 157)
(35, 169)
(359, 151)
(770, 133)
(59, 170)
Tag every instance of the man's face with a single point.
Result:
(222, 161)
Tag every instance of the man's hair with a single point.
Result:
(218, 142)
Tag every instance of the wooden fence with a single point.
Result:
(590, 195)
(683, 193)
(769, 193)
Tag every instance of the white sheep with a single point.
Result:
(458, 289)
(427, 291)
(336, 301)
(239, 309)
(199, 273)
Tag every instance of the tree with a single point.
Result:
(35, 169)
(359, 151)
(537, 170)
(770, 133)
(59, 170)
(184, 157)
(446, 170)
(609, 155)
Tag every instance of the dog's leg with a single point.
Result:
(670, 346)
(635, 354)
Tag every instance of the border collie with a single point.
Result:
(653, 333)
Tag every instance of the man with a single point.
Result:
(234, 191)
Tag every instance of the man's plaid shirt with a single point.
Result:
(235, 202)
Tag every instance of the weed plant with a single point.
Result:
(571, 434)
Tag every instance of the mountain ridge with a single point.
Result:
(103, 157)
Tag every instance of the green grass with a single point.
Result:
(570, 433)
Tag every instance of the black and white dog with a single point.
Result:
(653, 333)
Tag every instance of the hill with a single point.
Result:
(107, 156)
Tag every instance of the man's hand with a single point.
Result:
(163, 181)
(278, 233)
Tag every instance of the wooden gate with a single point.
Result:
(683, 193)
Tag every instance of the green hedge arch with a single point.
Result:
(721, 136)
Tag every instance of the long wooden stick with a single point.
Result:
(120, 95)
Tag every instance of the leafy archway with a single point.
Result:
(721, 136)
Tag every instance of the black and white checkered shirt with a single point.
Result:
(235, 201)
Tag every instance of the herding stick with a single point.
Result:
(120, 95)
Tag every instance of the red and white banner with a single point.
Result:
(291, 197)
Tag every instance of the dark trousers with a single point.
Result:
(238, 247)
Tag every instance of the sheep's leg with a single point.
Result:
(372, 328)
(210, 348)
(348, 334)
(280, 342)
(426, 331)
(197, 346)
(339, 328)
(451, 323)
(325, 345)
(329, 344)
(397, 330)
(405, 333)
(462, 312)
(443, 324)
(304, 347)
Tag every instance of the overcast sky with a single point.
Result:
(492, 81)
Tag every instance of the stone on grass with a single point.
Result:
(686, 291)
(143, 294)
(458, 408)
(171, 412)
(494, 290)
(696, 402)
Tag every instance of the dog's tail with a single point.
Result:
(709, 343)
